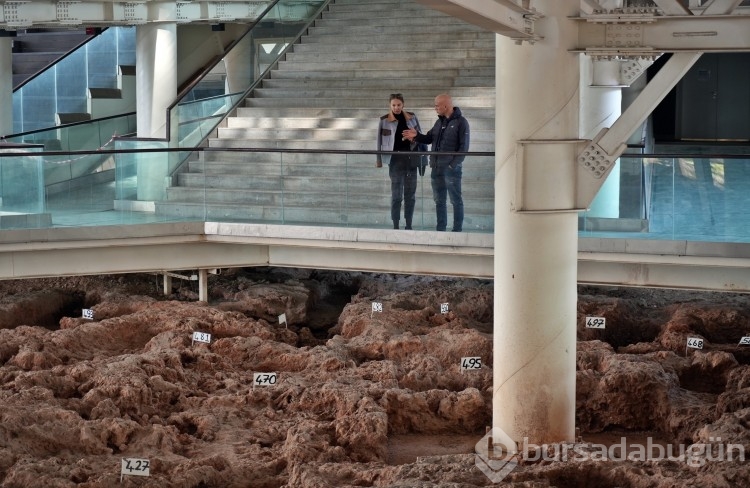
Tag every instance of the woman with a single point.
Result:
(402, 168)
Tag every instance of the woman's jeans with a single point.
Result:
(403, 188)
(447, 182)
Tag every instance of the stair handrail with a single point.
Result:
(96, 34)
(259, 79)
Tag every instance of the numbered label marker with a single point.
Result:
(471, 363)
(134, 467)
(745, 341)
(264, 379)
(282, 319)
(595, 322)
(695, 343)
(201, 337)
(87, 313)
(443, 308)
(376, 307)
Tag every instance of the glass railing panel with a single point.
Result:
(80, 137)
(22, 202)
(692, 198)
(63, 87)
(291, 187)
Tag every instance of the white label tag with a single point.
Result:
(471, 363)
(134, 467)
(695, 342)
(595, 322)
(87, 313)
(202, 337)
(282, 318)
(745, 341)
(376, 307)
(264, 379)
(443, 308)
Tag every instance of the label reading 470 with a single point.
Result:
(471, 363)
(264, 379)
(135, 467)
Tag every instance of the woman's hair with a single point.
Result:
(396, 96)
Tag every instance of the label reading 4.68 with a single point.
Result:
(695, 342)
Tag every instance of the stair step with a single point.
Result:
(396, 30)
(337, 37)
(395, 55)
(377, 84)
(372, 113)
(350, 197)
(284, 160)
(418, 65)
(388, 73)
(480, 102)
(372, 23)
(265, 122)
(340, 144)
(473, 93)
(328, 135)
(421, 44)
(475, 171)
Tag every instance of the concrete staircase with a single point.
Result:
(328, 94)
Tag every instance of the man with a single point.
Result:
(449, 134)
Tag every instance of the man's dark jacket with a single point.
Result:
(447, 135)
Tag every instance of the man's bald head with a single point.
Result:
(444, 105)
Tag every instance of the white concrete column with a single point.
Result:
(601, 105)
(156, 76)
(6, 86)
(156, 89)
(239, 66)
(535, 253)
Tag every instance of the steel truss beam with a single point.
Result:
(646, 34)
(510, 18)
(22, 14)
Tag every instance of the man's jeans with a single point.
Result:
(447, 182)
